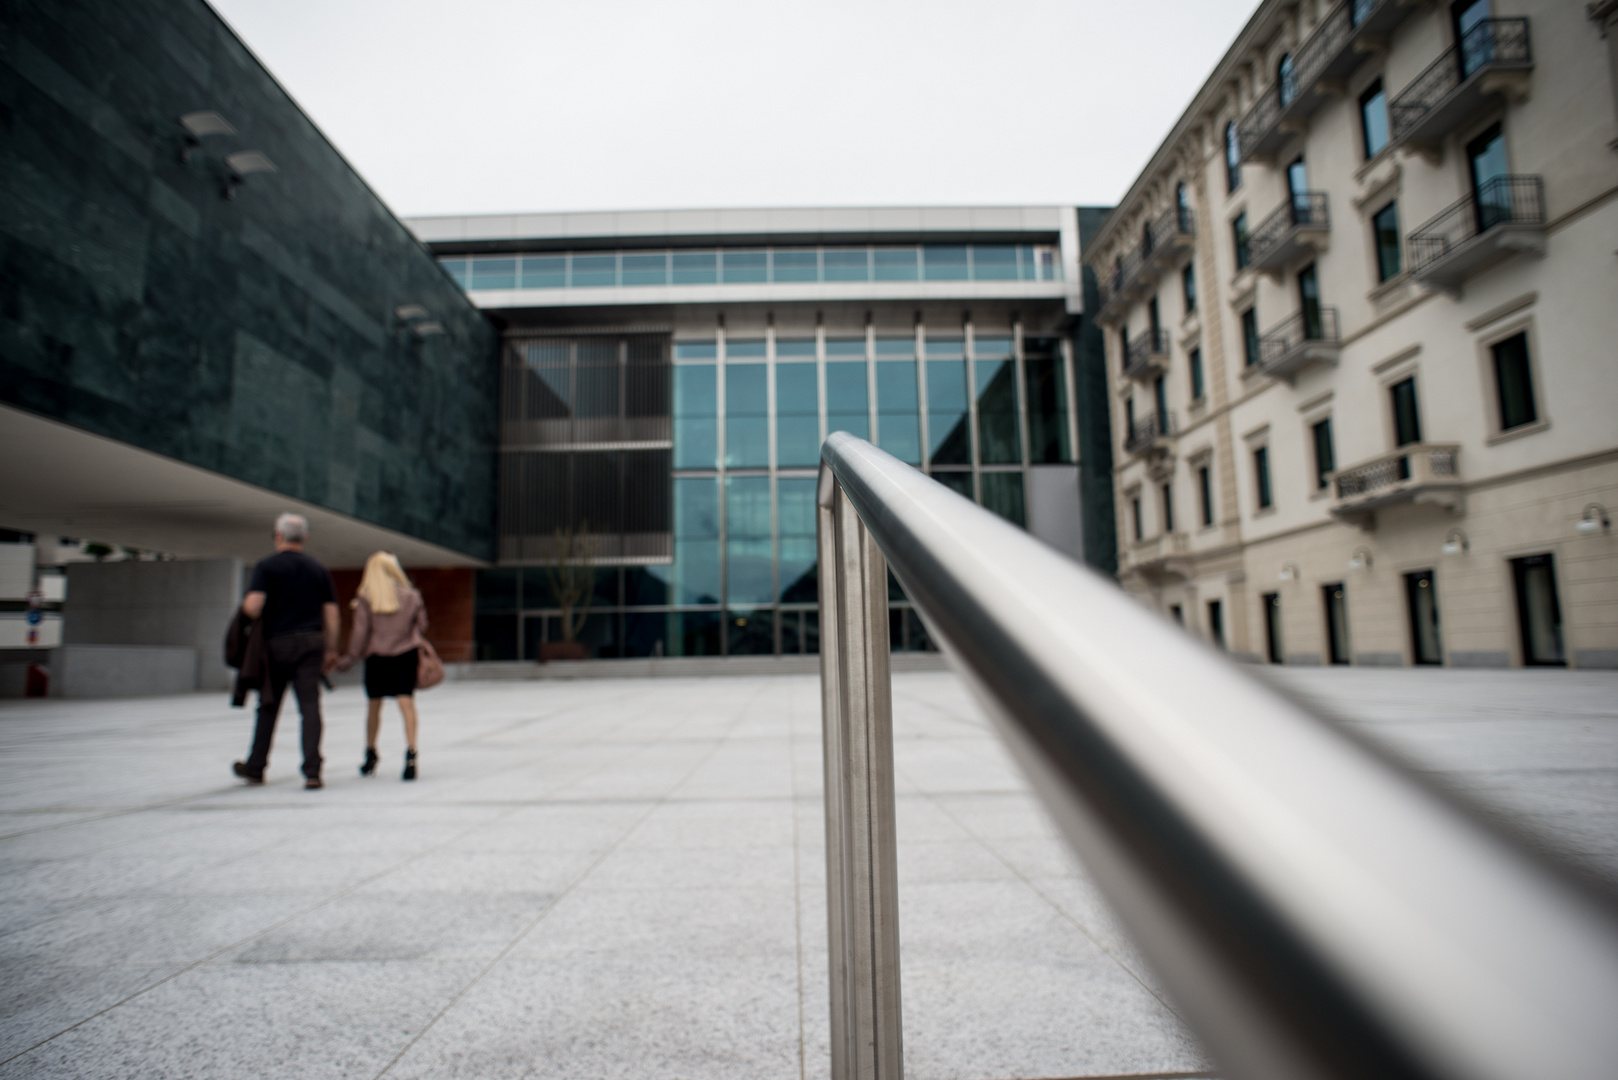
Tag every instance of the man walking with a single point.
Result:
(294, 596)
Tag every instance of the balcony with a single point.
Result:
(1151, 433)
(1418, 473)
(1298, 229)
(1505, 215)
(1319, 68)
(1159, 557)
(1308, 337)
(1494, 57)
(1164, 242)
(1148, 356)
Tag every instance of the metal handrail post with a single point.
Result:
(862, 881)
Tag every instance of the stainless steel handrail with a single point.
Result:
(1313, 908)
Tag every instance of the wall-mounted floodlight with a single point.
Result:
(1594, 521)
(1360, 560)
(242, 164)
(200, 125)
(1455, 543)
(1289, 572)
(429, 328)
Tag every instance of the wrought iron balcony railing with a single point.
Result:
(1147, 355)
(1325, 58)
(1455, 85)
(1506, 213)
(1312, 907)
(1419, 472)
(1147, 430)
(1309, 336)
(1163, 242)
(1298, 225)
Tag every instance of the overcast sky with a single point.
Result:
(486, 106)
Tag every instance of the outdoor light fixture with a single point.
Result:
(1594, 521)
(1289, 572)
(198, 126)
(242, 164)
(1360, 560)
(1455, 543)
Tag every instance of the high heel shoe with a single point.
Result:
(369, 768)
(410, 765)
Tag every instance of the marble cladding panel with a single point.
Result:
(256, 335)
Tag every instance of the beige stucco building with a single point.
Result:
(1361, 316)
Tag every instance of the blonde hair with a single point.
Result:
(379, 585)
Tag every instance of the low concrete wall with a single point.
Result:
(105, 671)
(670, 667)
(186, 602)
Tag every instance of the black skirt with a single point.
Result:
(390, 676)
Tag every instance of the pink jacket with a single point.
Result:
(386, 635)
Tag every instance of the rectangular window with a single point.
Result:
(945, 263)
(1325, 455)
(1205, 493)
(1406, 419)
(1194, 364)
(994, 263)
(1250, 345)
(546, 271)
(642, 269)
(494, 273)
(694, 577)
(1135, 517)
(797, 414)
(1046, 377)
(747, 416)
(746, 267)
(1216, 622)
(1389, 253)
(1261, 476)
(947, 403)
(748, 545)
(1003, 494)
(795, 265)
(795, 511)
(848, 395)
(898, 409)
(1168, 508)
(999, 430)
(1188, 287)
(593, 271)
(1238, 231)
(1374, 119)
(696, 416)
(696, 267)
(897, 264)
(847, 264)
(1514, 381)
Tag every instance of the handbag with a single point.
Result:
(429, 668)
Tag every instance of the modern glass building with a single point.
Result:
(667, 379)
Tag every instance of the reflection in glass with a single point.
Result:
(958, 482)
(745, 349)
(946, 263)
(1002, 493)
(795, 348)
(897, 264)
(696, 417)
(750, 633)
(544, 271)
(847, 397)
(1049, 441)
(747, 540)
(800, 265)
(994, 263)
(898, 410)
(593, 271)
(696, 267)
(746, 267)
(947, 405)
(498, 273)
(646, 634)
(747, 420)
(696, 350)
(797, 415)
(847, 264)
(645, 269)
(800, 632)
(693, 633)
(999, 434)
(795, 508)
(695, 573)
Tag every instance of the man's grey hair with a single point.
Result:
(293, 528)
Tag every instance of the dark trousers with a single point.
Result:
(295, 659)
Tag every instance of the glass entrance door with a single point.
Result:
(1421, 595)
(1272, 627)
(1539, 614)
(1474, 43)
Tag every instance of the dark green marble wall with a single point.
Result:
(255, 336)
(1095, 415)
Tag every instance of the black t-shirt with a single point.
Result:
(295, 588)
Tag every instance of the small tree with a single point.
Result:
(572, 576)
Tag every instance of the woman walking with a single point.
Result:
(389, 623)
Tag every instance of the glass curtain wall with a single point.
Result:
(975, 410)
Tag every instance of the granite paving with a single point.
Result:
(625, 878)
